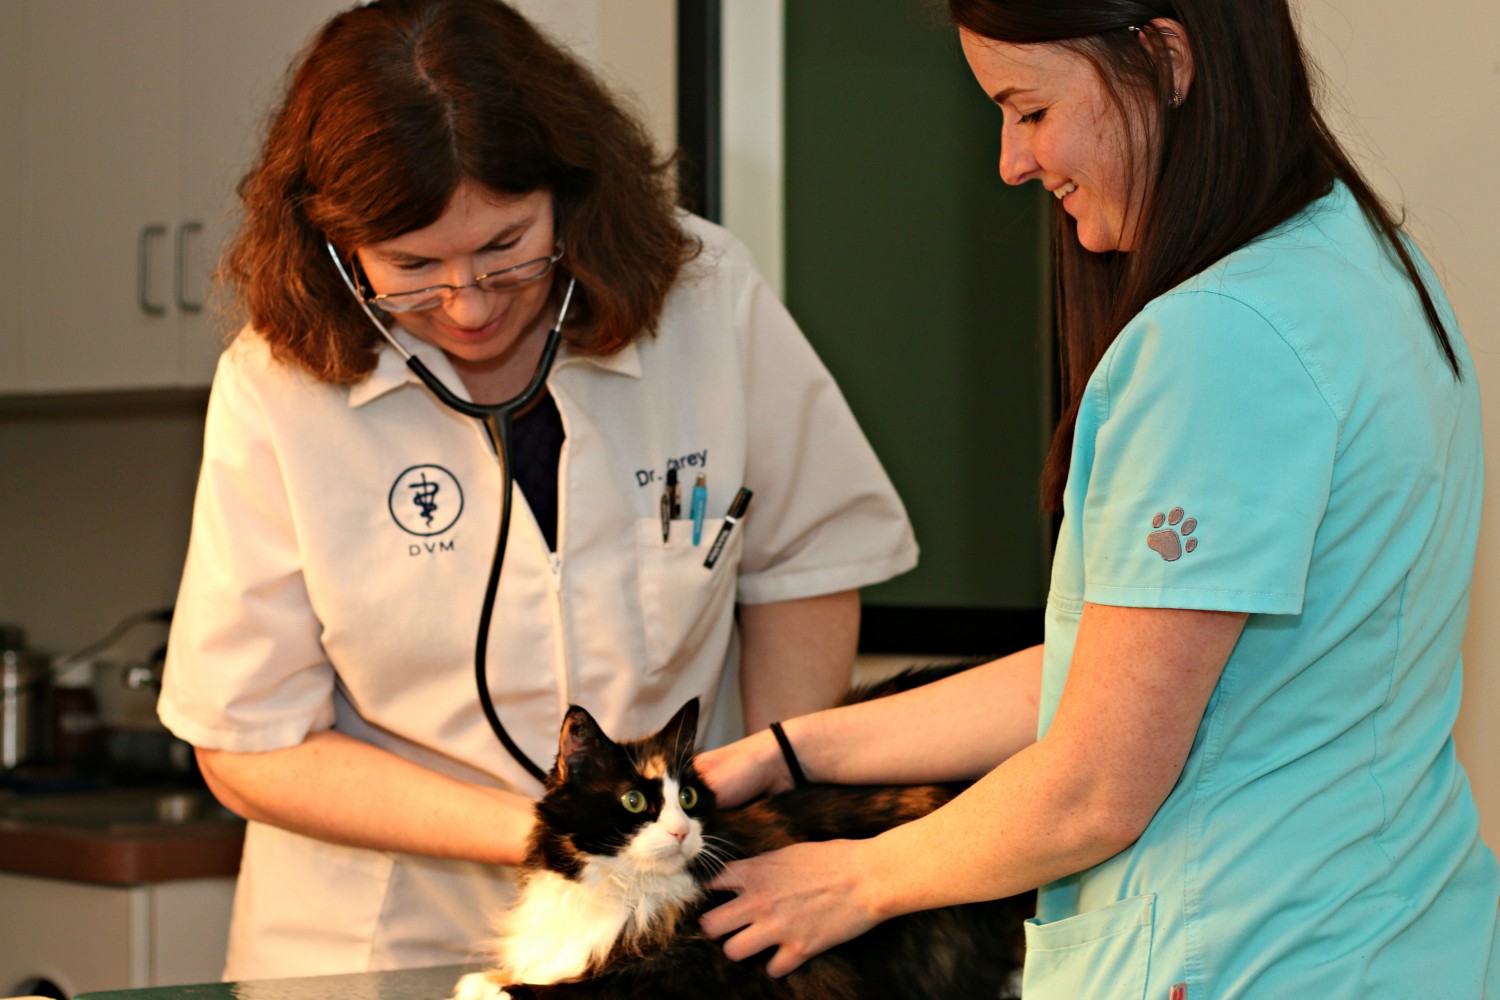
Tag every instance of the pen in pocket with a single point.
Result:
(699, 507)
(671, 505)
(736, 512)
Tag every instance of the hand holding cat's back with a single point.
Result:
(832, 885)
(743, 771)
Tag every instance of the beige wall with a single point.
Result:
(631, 43)
(1417, 93)
(95, 501)
(754, 132)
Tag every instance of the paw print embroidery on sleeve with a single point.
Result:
(1172, 537)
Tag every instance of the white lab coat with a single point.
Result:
(318, 592)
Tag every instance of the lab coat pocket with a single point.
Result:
(1102, 954)
(681, 599)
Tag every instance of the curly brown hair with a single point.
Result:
(389, 108)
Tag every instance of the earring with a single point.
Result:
(1176, 100)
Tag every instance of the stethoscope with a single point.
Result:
(497, 419)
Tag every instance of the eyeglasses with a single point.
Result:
(435, 295)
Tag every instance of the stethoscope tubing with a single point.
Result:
(499, 429)
(497, 420)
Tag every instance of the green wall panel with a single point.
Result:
(921, 280)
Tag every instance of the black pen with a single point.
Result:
(736, 511)
(671, 505)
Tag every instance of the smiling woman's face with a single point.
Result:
(484, 333)
(1061, 128)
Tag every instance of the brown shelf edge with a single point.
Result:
(121, 858)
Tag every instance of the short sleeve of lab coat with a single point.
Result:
(245, 669)
(824, 517)
(1213, 449)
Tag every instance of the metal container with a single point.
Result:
(23, 700)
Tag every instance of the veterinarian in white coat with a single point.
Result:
(322, 651)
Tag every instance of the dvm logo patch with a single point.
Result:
(426, 500)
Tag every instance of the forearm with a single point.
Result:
(955, 728)
(796, 656)
(343, 790)
(1024, 824)
(1137, 685)
(1139, 681)
(1031, 820)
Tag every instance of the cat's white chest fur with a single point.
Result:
(560, 927)
(478, 986)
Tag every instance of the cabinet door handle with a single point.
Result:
(184, 303)
(143, 271)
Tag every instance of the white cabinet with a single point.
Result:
(97, 142)
(136, 122)
(87, 938)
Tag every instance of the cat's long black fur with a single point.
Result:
(955, 952)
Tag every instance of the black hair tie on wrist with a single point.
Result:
(798, 778)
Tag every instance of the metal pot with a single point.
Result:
(23, 700)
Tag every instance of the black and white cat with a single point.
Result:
(613, 885)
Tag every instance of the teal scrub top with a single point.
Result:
(1281, 435)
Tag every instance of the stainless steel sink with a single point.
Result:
(117, 809)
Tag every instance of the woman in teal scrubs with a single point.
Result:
(1230, 766)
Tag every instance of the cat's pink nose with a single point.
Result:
(680, 835)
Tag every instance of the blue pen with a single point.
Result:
(700, 504)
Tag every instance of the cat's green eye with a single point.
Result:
(634, 801)
(688, 797)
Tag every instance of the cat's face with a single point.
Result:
(637, 806)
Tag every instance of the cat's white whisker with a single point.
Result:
(713, 864)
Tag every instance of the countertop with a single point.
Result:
(120, 836)
(405, 984)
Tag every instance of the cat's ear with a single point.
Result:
(580, 740)
(681, 732)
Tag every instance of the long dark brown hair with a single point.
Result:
(388, 110)
(1244, 153)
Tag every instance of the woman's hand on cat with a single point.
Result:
(745, 769)
(800, 900)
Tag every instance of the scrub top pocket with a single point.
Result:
(681, 599)
(1102, 955)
